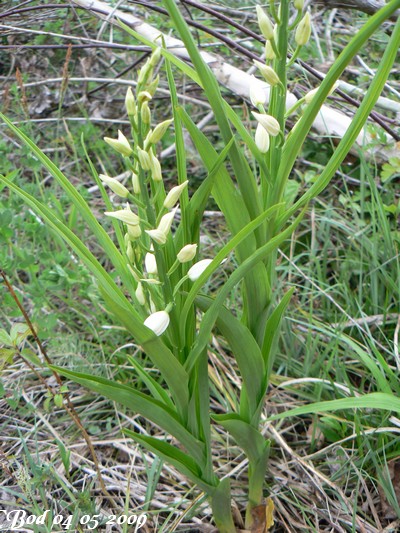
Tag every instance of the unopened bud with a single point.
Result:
(198, 268)
(155, 168)
(124, 215)
(269, 51)
(157, 322)
(145, 113)
(134, 232)
(145, 72)
(166, 222)
(129, 251)
(298, 4)
(152, 87)
(115, 185)
(303, 30)
(268, 73)
(257, 95)
(262, 139)
(140, 294)
(121, 144)
(269, 123)
(155, 56)
(310, 95)
(187, 253)
(157, 235)
(174, 195)
(264, 23)
(130, 103)
(157, 134)
(144, 96)
(135, 183)
(150, 263)
(144, 159)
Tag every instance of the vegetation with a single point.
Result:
(257, 323)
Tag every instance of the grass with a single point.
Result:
(332, 468)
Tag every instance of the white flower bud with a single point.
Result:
(197, 269)
(115, 185)
(157, 235)
(134, 232)
(174, 195)
(262, 139)
(187, 253)
(310, 95)
(124, 215)
(135, 183)
(155, 56)
(121, 145)
(268, 73)
(129, 251)
(303, 30)
(155, 168)
(157, 134)
(257, 95)
(145, 72)
(144, 96)
(150, 263)
(264, 23)
(268, 122)
(157, 322)
(140, 294)
(144, 159)
(152, 87)
(145, 113)
(130, 103)
(298, 4)
(269, 51)
(166, 222)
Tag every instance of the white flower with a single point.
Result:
(121, 144)
(198, 268)
(130, 103)
(256, 92)
(174, 195)
(267, 72)
(157, 235)
(124, 215)
(166, 222)
(264, 23)
(268, 122)
(155, 168)
(150, 263)
(115, 185)
(262, 139)
(144, 159)
(187, 253)
(157, 322)
(157, 134)
(140, 294)
(303, 30)
(135, 183)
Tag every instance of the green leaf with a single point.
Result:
(155, 411)
(221, 507)
(19, 332)
(375, 400)
(245, 349)
(272, 330)
(211, 315)
(247, 437)
(5, 338)
(180, 460)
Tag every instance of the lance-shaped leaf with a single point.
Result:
(155, 411)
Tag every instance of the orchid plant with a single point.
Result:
(157, 287)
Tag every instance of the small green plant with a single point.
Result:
(156, 288)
